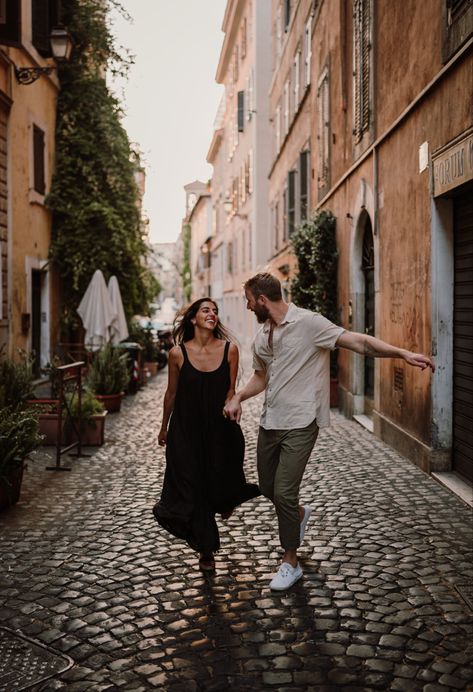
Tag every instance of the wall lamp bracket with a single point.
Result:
(28, 75)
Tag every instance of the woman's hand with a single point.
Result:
(162, 437)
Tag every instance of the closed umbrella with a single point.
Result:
(97, 312)
(118, 328)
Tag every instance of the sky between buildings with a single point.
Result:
(171, 98)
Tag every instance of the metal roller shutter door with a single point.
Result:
(463, 337)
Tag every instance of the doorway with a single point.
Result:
(36, 318)
(367, 267)
(462, 424)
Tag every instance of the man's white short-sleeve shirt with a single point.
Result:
(297, 369)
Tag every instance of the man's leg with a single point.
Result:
(296, 447)
(267, 455)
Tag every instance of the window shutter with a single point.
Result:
(38, 160)
(10, 22)
(304, 184)
(241, 111)
(362, 59)
(291, 202)
(287, 14)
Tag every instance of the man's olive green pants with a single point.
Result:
(282, 457)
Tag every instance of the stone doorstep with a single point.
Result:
(456, 484)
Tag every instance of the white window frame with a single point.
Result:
(307, 51)
(286, 101)
(297, 80)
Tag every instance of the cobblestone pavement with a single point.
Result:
(86, 570)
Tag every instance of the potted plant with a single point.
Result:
(92, 419)
(18, 438)
(108, 376)
(315, 285)
(16, 381)
(150, 352)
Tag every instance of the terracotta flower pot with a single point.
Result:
(48, 426)
(112, 402)
(152, 367)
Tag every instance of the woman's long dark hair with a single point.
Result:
(183, 329)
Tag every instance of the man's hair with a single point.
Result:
(264, 284)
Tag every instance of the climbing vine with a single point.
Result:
(94, 197)
(315, 247)
(186, 275)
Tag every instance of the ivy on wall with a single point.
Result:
(186, 275)
(94, 197)
(315, 247)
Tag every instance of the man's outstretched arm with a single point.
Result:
(370, 346)
(255, 385)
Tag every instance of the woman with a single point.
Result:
(204, 450)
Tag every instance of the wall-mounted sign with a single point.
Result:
(453, 165)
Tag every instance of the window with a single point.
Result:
(323, 132)
(291, 202)
(286, 108)
(276, 225)
(38, 160)
(361, 68)
(307, 52)
(45, 14)
(277, 121)
(458, 26)
(235, 65)
(10, 22)
(287, 14)
(230, 257)
(243, 39)
(296, 80)
(284, 216)
(250, 108)
(241, 111)
(278, 32)
(304, 178)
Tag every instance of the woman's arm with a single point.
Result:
(255, 385)
(174, 365)
(233, 360)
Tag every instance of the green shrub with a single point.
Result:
(18, 437)
(108, 373)
(16, 381)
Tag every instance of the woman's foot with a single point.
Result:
(207, 562)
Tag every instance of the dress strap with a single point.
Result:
(225, 353)
(184, 351)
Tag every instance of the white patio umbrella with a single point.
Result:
(119, 327)
(97, 312)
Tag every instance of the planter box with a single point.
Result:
(10, 488)
(47, 426)
(93, 431)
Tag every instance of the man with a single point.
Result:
(291, 361)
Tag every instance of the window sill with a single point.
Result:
(35, 197)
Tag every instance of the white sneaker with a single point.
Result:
(285, 577)
(305, 519)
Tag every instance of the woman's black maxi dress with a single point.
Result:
(204, 459)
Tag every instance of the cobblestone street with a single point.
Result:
(86, 570)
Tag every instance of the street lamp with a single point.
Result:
(61, 48)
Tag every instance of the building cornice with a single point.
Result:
(215, 145)
(231, 20)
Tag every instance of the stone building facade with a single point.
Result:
(392, 122)
(28, 288)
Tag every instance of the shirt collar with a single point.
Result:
(291, 316)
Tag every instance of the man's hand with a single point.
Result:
(162, 437)
(232, 409)
(418, 360)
